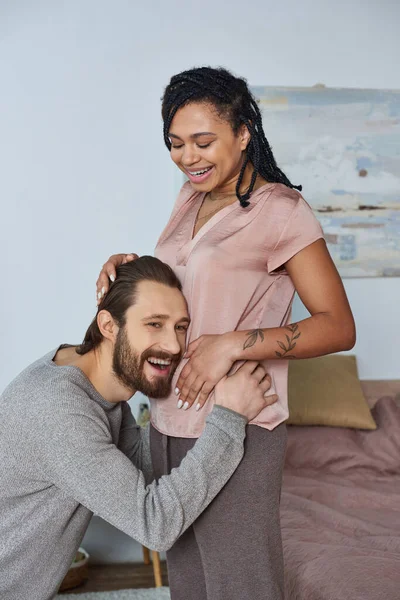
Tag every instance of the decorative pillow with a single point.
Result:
(327, 391)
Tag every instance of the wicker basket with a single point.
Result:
(78, 571)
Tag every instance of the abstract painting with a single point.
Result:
(343, 146)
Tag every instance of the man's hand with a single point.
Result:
(244, 392)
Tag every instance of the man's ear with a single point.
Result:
(108, 327)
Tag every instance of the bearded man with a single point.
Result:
(70, 446)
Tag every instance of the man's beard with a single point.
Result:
(128, 367)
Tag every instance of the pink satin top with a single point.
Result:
(233, 277)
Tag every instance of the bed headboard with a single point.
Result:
(375, 389)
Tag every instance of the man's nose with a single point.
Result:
(170, 343)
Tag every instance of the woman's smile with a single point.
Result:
(198, 175)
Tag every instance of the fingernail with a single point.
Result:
(103, 291)
(112, 278)
(180, 404)
(177, 391)
(99, 295)
(198, 407)
(186, 405)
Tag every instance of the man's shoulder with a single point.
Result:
(31, 373)
(43, 382)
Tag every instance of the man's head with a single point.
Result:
(143, 321)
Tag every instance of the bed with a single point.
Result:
(340, 506)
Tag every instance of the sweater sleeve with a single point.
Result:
(134, 442)
(78, 456)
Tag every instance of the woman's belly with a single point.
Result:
(168, 419)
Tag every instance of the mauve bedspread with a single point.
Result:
(340, 510)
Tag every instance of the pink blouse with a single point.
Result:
(230, 277)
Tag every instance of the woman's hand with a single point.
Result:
(210, 359)
(108, 273)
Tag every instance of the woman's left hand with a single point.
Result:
(210, 359)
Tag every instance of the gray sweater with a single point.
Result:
(66, 453)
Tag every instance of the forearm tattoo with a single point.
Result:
(252, 337)
(286, 348)
(291, 344)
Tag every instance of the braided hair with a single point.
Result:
(233, 101)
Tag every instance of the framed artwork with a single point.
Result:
(343, 146)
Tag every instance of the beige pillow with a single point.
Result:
(327, 391)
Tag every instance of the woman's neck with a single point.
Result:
(225, 191)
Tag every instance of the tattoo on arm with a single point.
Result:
(295, 334)
(252, 337)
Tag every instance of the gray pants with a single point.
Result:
(234, 549)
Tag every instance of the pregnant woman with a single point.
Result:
(242, 240)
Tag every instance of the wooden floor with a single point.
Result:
(105, 578)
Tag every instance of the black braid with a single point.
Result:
(233, 100)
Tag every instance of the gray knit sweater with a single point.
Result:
(66, 453)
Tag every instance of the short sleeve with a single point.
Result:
(301, 229)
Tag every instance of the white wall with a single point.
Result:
(83, 169)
